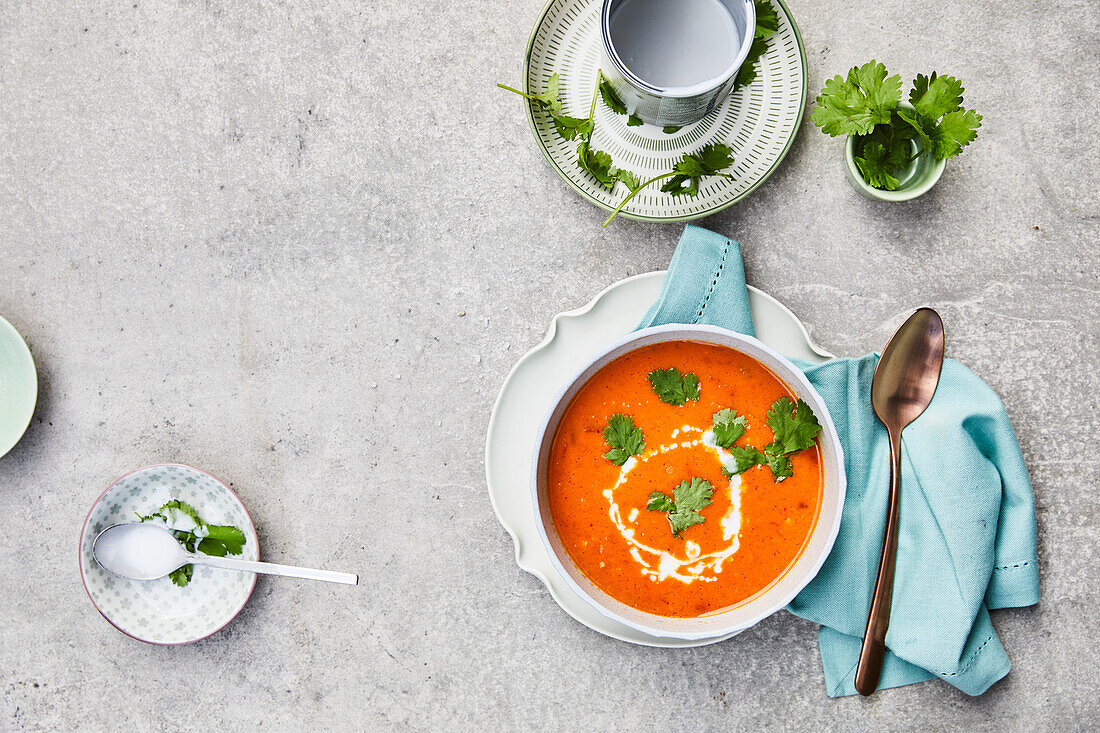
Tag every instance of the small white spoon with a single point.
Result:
(149, 551)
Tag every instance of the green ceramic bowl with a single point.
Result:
(18, 386)
(918, 178)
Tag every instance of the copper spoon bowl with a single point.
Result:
(904, 382)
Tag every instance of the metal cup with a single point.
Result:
(674, 106)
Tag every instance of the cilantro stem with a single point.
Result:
(532, 97)
(633, 193)
(595, 94)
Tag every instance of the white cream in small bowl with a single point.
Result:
(783, 590)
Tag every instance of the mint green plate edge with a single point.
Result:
(14, 424)
(687, 217)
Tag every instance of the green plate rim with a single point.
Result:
(684, 217)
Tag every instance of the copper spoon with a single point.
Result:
(904, 382)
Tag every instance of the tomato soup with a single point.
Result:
(744, 539)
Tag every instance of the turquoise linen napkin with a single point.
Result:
(967, 516)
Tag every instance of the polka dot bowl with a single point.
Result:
(157, 611)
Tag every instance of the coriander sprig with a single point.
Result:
(673, 386)
(728, 427)
(209, 539)
(615, 103)
(795, 428)
(596, 163)
(710, 160)
(625, 439)
(683, 507)
(767, 23)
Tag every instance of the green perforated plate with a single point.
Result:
(758, 121)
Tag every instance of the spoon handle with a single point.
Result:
(878, 621)
(270, 568)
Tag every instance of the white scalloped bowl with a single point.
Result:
(783, 589)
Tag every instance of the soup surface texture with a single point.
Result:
(750, 533)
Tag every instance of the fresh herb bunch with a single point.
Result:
(209, 539)
(865, 104)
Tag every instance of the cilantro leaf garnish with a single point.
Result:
(874, 168)
(182, 575)
(795, 426)
(954, 132)
(624, 437)
(549, 98)
(934, 96)
(854, 105)
(615, 103)
(599, 164)
(767, 20)
(708, 160)
(767, 23)
(223, 540)
(728, 427)
(572, 128)
(950, 135)
(683, 507)
(630, 179)
(747, 73)
(779, 463)
(745, 457)
(611, 98)
(671, 129)
(659, 502)
(673, 387)
(944, 126)
(596, 163)
(209, 539)
(568, 127)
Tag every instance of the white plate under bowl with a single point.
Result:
(158, 611)
(530, 390)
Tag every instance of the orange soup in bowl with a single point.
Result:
(684, 478)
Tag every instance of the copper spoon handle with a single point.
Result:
(878, 621)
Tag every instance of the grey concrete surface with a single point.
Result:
(241, 235)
